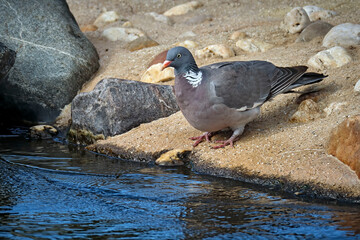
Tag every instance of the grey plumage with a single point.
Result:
(229, 94)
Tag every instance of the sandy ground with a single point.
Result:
(271, 148)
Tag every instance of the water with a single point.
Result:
(54, 191)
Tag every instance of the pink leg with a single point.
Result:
(231, 140)
(206, 136)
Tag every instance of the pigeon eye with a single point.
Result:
(179, 55)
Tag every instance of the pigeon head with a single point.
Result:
(181, 60)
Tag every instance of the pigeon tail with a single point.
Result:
(288, 78)
(306, 79)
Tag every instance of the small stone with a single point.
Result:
(344, 143)
(345, 35)
(238, 35)
(154, 74)
(160, 58)
(140, 43)
(253, 45)
(42, 132)
(217, 50)
(88, 28)
(330, 58)
(335, 107)
(187, 34)
(357, 86)
(308, 110)
(127, 24)
(313, 30)
(182, 8)
(172, 158)
(106, 18)
(296, 20)
(160, 18)
(122, 34)
(317, 13)
(187, 44)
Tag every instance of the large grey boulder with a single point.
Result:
(53, 59)
(116, 106)
(7, 60)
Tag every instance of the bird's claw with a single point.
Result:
(224, 144)
(206, 136)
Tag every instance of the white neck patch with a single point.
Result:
(193, 78)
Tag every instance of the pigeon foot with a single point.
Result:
(206, 136)
(230, 142)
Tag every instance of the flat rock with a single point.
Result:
(216, 50)
(313, 30)
(331, 58)
(7, 60)
(317, 13)
(296, 20)
(182, 8)
(122, 34)
(106, 18)
(53, 59)
(292, 164)
(345, 35)
(253, 45)
(116, 106)
(344, 143)
(154, 74)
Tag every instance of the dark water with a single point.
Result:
(54, 191)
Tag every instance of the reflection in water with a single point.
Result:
(48, 190)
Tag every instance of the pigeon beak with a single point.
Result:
(166, 64)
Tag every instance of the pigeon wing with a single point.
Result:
(241, 85)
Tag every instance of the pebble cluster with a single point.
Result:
(307, 21)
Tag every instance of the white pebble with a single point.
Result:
(122, 34)
(317, 13)
(187, 44)
(106, 18)
(160, 18)
(357, 86)
(253, 45)
(182, 8)
(330, 58)
(345, 35)
(187, 34)
(296, 20)
(217, 50)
